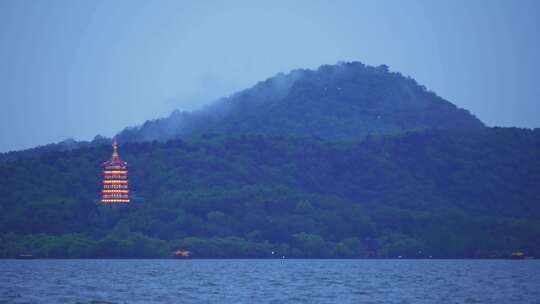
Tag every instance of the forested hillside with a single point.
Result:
(345, 101)
(342, 101)
(439, 193)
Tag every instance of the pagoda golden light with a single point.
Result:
(115, 179)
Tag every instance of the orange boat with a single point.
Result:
(182, 254)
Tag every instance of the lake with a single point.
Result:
(269, 281)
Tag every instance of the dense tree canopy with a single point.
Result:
(438, 193)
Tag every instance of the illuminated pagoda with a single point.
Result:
(115, 180)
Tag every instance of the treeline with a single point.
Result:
(433, 193)
(397, 233)
(136, 245)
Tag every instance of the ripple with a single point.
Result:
(269, 281)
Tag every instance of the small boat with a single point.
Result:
(182, 254)
(518, 255)
(25, 257)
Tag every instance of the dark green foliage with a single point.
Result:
(342, 101)
(418, 194)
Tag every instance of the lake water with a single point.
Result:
(269, 281)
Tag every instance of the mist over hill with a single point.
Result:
(342, 101)
(346, 101)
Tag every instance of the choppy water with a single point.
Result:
(269, 281)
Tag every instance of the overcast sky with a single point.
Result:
(74, 69)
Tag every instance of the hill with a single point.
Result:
(65, 145)
(346, 101)
(440, 193)
(343, 101)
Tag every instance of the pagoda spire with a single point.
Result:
(115, 148)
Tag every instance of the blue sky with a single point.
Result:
(74, 69)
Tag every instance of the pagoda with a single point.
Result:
(115, 180)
